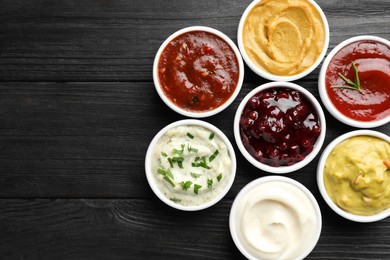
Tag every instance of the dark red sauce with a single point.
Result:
(372, 59)
(279, 126)
(198, 71)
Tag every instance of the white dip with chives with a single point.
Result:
(191, 165)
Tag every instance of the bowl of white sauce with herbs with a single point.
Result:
(190, 165)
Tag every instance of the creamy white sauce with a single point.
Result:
(276, 220)
(195, 152)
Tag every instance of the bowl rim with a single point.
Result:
(322, 87)
(320, 176)
(281, 169)
(176, 108)
(268, 75)
(266, 179)
(151, 180)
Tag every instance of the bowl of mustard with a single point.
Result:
(353, 175)
(283, 40)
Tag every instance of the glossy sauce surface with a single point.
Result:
(276, 220)
(198, 71)
(279, 126)
(373, 62)
(356, 176)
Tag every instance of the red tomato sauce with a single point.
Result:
(198, 71)
(372, 60)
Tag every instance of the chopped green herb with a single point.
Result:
(180, 164)
(204, 165)
(175, 151)
(201, 164)
(197, 158)
(209, 183)
(185, 185)
(211, 136)
(203, 159)
(169, 181)
(170, 162)
(169, 174)
(196, 188)
(179, 151)
(175, 200)
(219, 177)
(195, 175)
(161, 171)
(173, 160)
(177, 159)
(212, 157)
(192, 149)
(190, 135)
(164, 154)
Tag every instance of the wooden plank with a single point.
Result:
(62, 143)
(117, 40)
(90, 139)
(84, 139)
(148, 229)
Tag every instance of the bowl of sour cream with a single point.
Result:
(190, 165)
(275, 217)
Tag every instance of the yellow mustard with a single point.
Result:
(357, 175)
(283, 37)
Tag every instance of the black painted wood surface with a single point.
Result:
(78, 109)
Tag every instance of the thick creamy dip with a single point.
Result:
(284, 37)
(276, 220)
(356, 177)
(191, 165)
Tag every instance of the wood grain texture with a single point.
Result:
(147, 229)
(90, 139)
(117, 40)
(78, 109)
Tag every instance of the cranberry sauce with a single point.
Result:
(279, 126)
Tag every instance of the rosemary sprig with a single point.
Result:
(352, 85)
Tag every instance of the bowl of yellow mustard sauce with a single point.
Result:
(283, 40)
(353, 175)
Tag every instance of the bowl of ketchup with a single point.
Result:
(354, 82)
(198, 71)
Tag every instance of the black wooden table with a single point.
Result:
(78, 109)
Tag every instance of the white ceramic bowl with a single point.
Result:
(324, 95)
(266, 74)
(317, 145)
(240, 201)
(180, 110)
(152, 179)
(320, 177)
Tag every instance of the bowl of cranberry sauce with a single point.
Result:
(198, 71)
(279, 127)
(354, 82)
